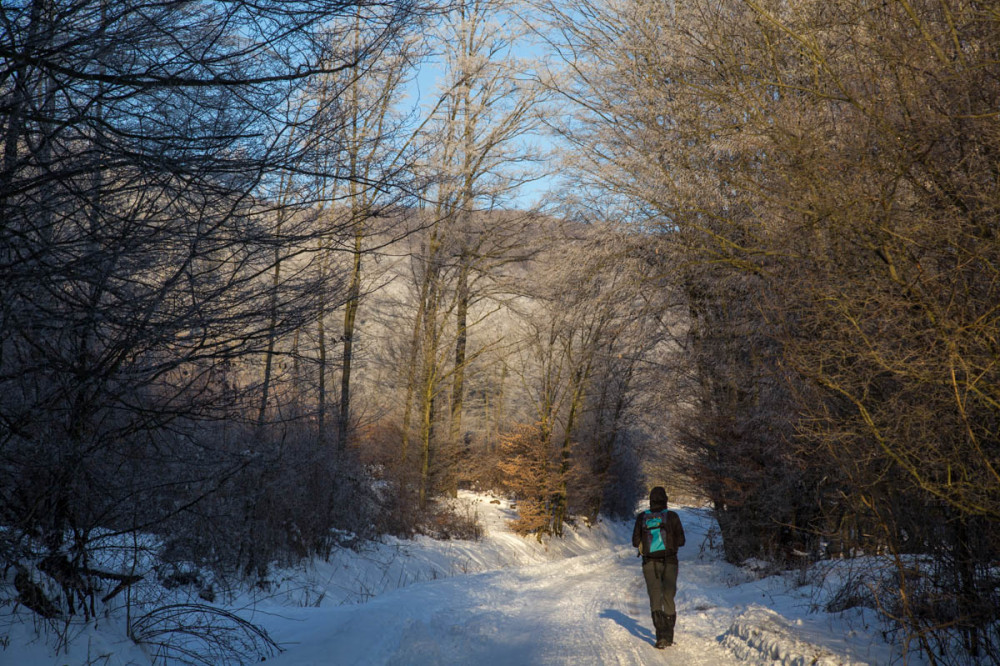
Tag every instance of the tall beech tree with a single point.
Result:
(475, 163)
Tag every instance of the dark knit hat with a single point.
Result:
(658, 498)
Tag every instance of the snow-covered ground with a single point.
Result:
(509, 600)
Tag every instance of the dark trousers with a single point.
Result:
(661, 584)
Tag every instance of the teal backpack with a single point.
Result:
(654, 524)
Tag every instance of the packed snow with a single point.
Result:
(501, 600)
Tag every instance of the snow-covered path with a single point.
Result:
(586, 609)
(505, 600)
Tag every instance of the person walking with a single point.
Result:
(658, 534)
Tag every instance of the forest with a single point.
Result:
(263, 286)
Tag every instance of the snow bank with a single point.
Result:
(762, 636)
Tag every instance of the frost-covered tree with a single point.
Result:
(826, 174)
(143, 150)
(475, 160)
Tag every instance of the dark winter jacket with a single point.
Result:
(671, 532)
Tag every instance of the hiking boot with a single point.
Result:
(668, 628)
(660, 624)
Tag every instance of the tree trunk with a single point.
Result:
(350, 314)
(455, 435)
(321, 372)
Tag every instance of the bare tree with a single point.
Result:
(365, 153)
(483, 112)
(824, 172)
(143, 150)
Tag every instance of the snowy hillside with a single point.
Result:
(508, 600)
